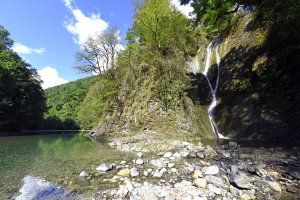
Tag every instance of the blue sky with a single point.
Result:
(47, 33)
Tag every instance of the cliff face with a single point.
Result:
(259, 90)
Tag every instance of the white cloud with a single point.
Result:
(50, 77)
(23, 49)
(82, 26)
(184, 9)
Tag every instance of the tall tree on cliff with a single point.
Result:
(98, 54)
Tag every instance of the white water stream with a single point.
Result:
(195, 69)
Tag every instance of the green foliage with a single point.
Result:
(215, 16)
(64, 103)
(160, 26)
(22, 101)
(96, 105)
(172, 94)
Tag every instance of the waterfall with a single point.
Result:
(213, 91)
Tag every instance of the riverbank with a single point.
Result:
(166, 168)
(149, 165)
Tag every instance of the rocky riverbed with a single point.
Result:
(164, 168)
(183, 170)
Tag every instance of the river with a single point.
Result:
(57, 158)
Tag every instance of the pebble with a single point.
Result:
(84, 174)
(158, 163)
(139, 162)
(211, 170)
(171, 165)
(168, 154)
(124, 172)
(104, 167)
(241, 181)
(134, 172)
(198, 174)
(200, 182)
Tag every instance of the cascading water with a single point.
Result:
(213, 91)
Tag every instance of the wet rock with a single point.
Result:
(139, 162)
(124, 172)
(200, 182)
(158, 163)
(209, 152)
(294, 171)
(251, 169)
(84, 174)
(261, 172)
(232, 145)
(211, 170)
(224, 153)
(241, 181)
(35, 188)
(217, 181)
(104, 167)
(134, 172)
(291, 190)
(234, 169)
(168, 154)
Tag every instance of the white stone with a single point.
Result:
(212, 170)
(84, 174)
(139, 161)
(104, 167)
(177, 155)
(168, 154)
(158, 163)
(171, 165)
(200, 182)
(134, 172)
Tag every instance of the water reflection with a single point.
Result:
(66, 146)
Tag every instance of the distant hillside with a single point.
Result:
(63, 104)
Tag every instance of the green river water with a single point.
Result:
(58, 158)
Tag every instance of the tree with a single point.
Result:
(98, 53)
(215, 15)
(159, 25)
(22, 101)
